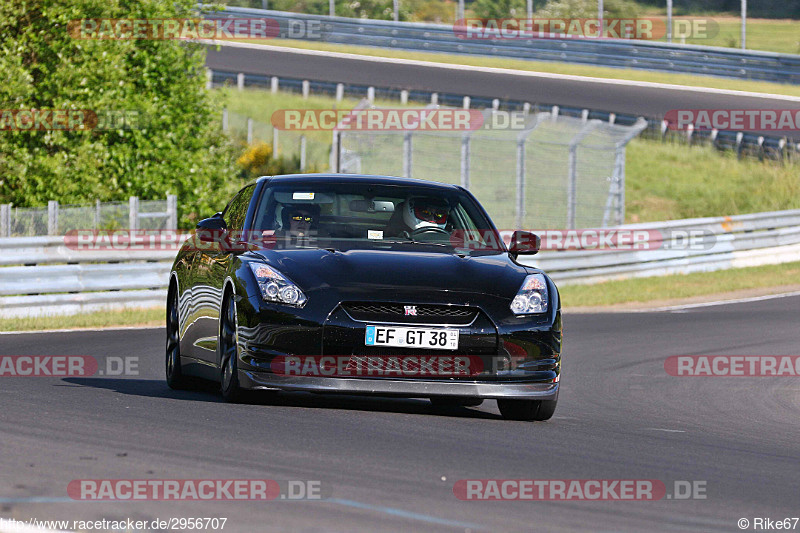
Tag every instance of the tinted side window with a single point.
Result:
(236, 211)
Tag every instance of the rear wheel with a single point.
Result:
(174, 371)
(455, 401)
(229, 351)
(528, 410)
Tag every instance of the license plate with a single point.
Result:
(402, 337)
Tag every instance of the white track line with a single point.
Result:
(73, 330)
(495, 70)
(715, 303)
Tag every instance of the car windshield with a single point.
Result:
(372, 216)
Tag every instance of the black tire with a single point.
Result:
(527, 410)
(229, 353)
(455, 401)
(176, 379)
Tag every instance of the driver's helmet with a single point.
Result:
(420, 212)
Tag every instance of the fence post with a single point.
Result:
(172, 212)
(5, 220)
(274, 141)
(209, 79)
(52, 217)
(302, 152)
(520, 215)
(249, 130)
(407, 160)
(97, 214)
(465, 160)
(240, 81)
(224, 119)
(133, 213)
(572, 184)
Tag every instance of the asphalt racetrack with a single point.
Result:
(609, 95)
(391, 464)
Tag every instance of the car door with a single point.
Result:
(209, 270)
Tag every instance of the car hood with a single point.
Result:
(398, 275)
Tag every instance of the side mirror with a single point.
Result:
(211, 229)
(524, 242)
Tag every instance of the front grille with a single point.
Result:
(425, 313)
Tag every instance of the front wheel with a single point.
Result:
(229, 353)
(527, 410)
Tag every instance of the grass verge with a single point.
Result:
(678, 288)
(543, 66)
(153, 316)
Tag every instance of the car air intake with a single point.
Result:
(455, 315)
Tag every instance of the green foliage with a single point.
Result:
(258, 160)
(177, 149)
(588, 9)
(489, 9)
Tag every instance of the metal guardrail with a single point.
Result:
(89, 281)
(720, 243)
(643, 55)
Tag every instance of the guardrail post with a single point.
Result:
(404, 97)
(249, 130)
(273, 84)
(5, 220)
(496, 104)
(526, 108)
(554, 111)
(371, 94)
(466, 102)
(612, 118)
(407, 155)
(209, 79)
(133, 213)
(739, 137)
(520, 212)
(224, 119)
(172, 212)
(52, 217)
(306, 89)
(339, 92)
(240, 81)
(584, 115)
(434, 98)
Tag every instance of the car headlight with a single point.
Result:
(275, 287)
(532, 296)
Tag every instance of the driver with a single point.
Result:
(423, 212)
(298, 223)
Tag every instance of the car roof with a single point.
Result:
(355, 178)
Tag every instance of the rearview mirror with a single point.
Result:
(371, 206)
(524, 242)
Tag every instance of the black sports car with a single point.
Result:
(364, 285)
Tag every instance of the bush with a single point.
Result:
(588, 9)
(178, 148)
(258, 160)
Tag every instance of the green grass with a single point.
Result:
(555, 68)
(768, 35)
(127, 317)
(665, 181)
(679, 287)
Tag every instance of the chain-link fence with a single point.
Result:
(57, 219)
(549, 171)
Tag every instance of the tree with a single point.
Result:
(174, 145)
